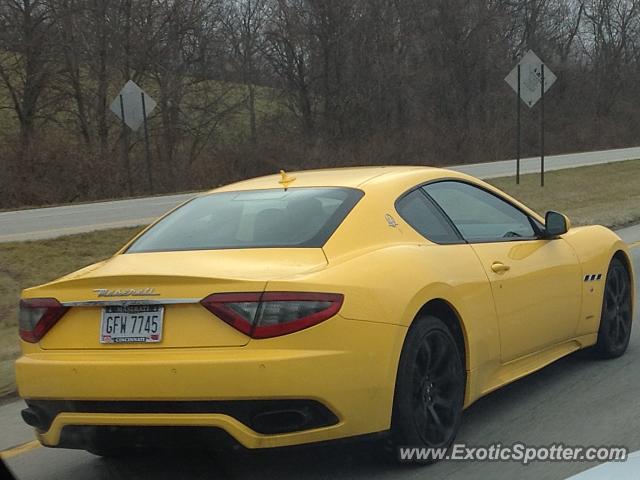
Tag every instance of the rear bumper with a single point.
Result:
(239, 431)
(351, 379)
(265, 417)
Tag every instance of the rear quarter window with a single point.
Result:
(419, 212)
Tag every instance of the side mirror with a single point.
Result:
(555, 224)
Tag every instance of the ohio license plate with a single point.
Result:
(131, 324)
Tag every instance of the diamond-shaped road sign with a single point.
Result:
(129, 102)
(530, 78)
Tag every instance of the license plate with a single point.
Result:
(131, 324)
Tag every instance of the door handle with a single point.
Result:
(499, 267)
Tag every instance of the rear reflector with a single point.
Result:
(37, 316)
(271, 314)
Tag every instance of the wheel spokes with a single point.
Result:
(610, 300)
(622, 329)
(614, 328)
(440, 400)
(624, 290)
(438, 354)
(422, 361)
(625, 311)
(437, 388)
(434, 416)
(617, 306)
(615, 283)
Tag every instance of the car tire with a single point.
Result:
(615, 320)
(429, 393)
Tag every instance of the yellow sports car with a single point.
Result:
(317, 305)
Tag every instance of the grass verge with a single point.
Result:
(24, 264)
(606, 194)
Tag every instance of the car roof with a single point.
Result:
(380, 181)
(354, 177)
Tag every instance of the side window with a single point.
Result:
(479, 215)
(425, 218)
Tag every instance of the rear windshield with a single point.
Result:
(297, 217)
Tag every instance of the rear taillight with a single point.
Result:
(37, 316)
(271, 314)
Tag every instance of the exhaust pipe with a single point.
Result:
(281, 421)
(32, 417)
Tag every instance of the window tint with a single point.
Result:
(479, 215)
(297, 217)
(421, 214)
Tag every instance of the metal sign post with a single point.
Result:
(146, 142)
(518, 131)
(542, 125)
(125, 146)
(530, 79)
(133, 106)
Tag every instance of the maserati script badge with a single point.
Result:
(126, 292)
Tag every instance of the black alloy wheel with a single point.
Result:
(615, 322)
(429, 388)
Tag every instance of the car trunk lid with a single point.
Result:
(175, 280)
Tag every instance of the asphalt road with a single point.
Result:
(575, 401)
(50, 222)
(33, 224)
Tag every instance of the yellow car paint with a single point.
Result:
(521, 304)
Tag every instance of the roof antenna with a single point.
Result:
(285, 180)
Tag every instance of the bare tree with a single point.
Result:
(242, 84)
(289, 52)
(244, 22)
(25, 61)
(612, 30)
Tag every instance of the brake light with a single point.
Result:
(37, 316)
(271, 314)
